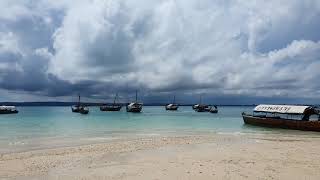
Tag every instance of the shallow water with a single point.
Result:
(39, 127)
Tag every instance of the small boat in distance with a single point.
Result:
(80, 108)
(213, 109)
(84, 110)
(8, 110)
(173, 106)
(135, 106)
(201, 107)
(306, 118)
(113, 107)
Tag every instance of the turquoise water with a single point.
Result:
(36, 127)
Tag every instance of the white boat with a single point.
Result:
(79, 108)
(201, 107)
(8, 110)
(173, 106)
(134, 107)
(213, 109)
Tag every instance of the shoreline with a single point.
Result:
(47, 143)
(216, 156)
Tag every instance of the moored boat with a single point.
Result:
(79, 108)
(305, 118)
(112, 107)
(201, 107)
(84, 110)
(213, 109)
(135, 106)
(173, 106)
(8, 110)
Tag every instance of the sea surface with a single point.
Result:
(49, 127)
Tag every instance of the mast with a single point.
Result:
(200, 99)
(174, 99)
(136, 96)
(114, 101)
(79, 99)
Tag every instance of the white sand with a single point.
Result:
(189, 157)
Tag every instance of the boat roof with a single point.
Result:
(7, 107)
(284, 109)
(135, 103)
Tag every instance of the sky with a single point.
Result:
(228, 51)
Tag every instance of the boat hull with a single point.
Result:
(84, 111)
(134, 110)
(214, 111)
(202, 109)
(172, 107)
(282, 123)
(111, 108)
(9, 112)
(80, 110)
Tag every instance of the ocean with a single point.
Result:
(49, 127)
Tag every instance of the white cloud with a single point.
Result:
(259, 48)
(9, 43)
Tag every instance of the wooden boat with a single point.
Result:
(113, 107)
(135, 106)
(173, 106)
(79, 108)
(8, 110)
(285, 116)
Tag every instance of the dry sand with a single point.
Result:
(187, 157)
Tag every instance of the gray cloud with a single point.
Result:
(223, 48)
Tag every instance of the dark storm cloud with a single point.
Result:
(228, 50)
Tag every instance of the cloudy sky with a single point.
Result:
(230, 51)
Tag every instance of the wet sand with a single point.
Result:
(174, 157)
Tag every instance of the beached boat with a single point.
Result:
(112, 107)
(8, 110)
(135, 106)
(305, 118)
(79, 108)
(173, 106)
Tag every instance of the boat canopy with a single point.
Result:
(170, 105)
(7, 107)
(135, 104)
(283, 109)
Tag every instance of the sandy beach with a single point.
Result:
(180, 157)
